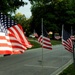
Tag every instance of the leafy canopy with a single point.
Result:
(10, 5)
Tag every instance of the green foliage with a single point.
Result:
(10, 5)
(35, 44)
(54, 12)
(39, 1)
(55, 42)
(21, 19)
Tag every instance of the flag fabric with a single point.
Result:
(14, 35)
(5, 45)
(35, 34)
(72, 37)
(57, 37)
(67, 41)
(45, 40)
(18, 33)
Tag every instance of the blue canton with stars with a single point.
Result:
(5, 23)
(2, 28)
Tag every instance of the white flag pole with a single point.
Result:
(73, 47)
(62, 31)
(71, 30)
(62, 40)
(42, 39)
(42, 43)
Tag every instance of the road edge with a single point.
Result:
(58, 71)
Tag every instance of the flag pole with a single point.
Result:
(73, 47)
(62, 31)
(42, 40)
(42, 43)
(62, 40)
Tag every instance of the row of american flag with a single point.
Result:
(67, 40)
(13, 40)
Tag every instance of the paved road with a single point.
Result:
(30, 63)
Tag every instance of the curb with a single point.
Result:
(57, 72)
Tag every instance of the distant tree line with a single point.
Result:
(54, 12)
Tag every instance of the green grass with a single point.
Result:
(69, 70)
(37, 45)
(55, 42)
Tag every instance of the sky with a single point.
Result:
(25, 9)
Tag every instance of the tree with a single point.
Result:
(21, 19)
(54, 12)
(44, 10)
(10, 5)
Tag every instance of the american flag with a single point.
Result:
(67, 41)
(13, 34)
(45, 40)
(5, 45)
(72, 37)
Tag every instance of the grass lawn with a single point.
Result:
(69, 70)
(55, 42)
(35, 43)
